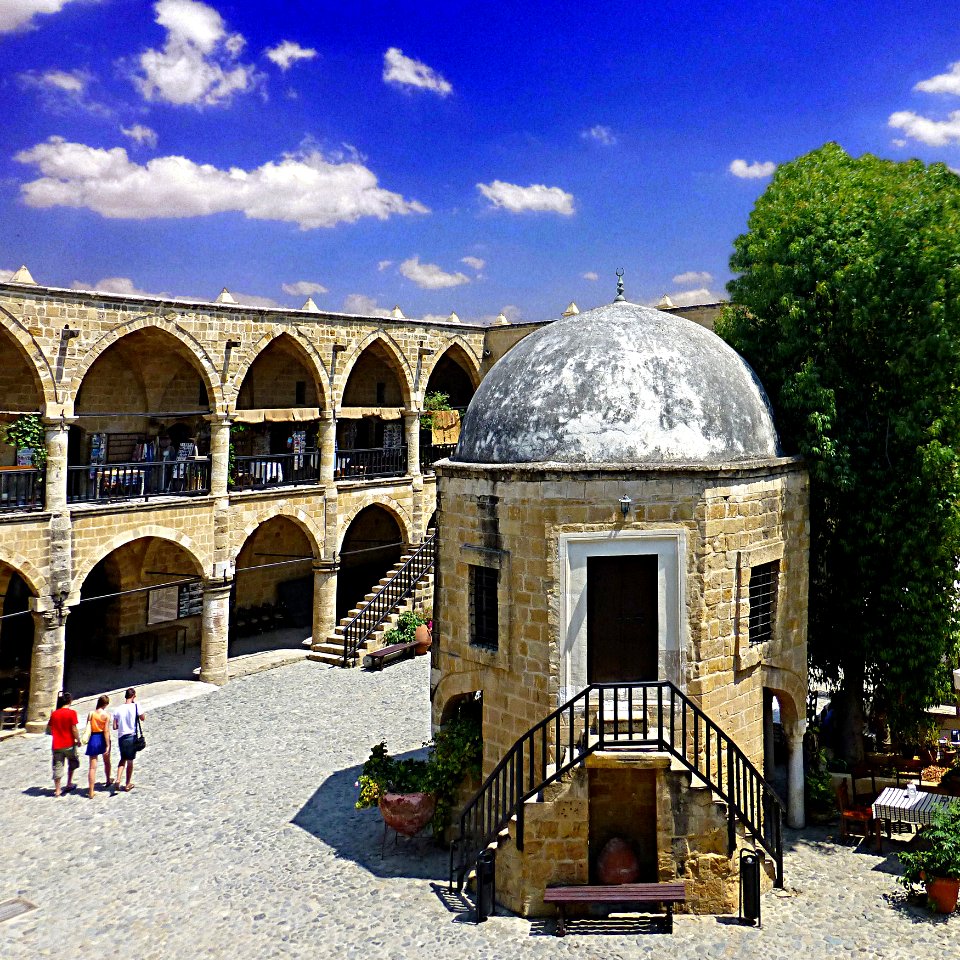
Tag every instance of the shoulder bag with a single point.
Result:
(140, 741)
(87, 730)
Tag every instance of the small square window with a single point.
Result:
(764, 579)
(301, 393)
(484, 627)
(381, 394)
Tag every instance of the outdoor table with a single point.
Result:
(906, 807)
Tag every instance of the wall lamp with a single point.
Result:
(59, 600)
(625, 504)
(69, 334)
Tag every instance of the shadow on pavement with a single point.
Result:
(357, 835)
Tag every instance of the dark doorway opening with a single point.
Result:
(622, 619)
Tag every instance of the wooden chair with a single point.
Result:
(14, 715)
(861, 816)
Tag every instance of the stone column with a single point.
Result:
(411, 427)
(324, 600)
(215, 628)
(46, 667)
(56, 480)
(219, 454)
(326, 443)
(796, 816)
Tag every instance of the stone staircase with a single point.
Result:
(330, 650)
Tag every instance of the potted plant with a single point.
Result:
(937, 864)
(821, 801)
(412, 792)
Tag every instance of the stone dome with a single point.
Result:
(621, 384)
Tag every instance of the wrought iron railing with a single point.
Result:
(21, 489)
(431, 453)
(642, 715)
(275, 470)
(136, 481)
(373, 462)
(397, 589)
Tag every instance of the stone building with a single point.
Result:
(617, 512)
(202, 461)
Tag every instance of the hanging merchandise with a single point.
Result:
(98, 448)
(299, 446)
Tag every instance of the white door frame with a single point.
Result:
(669, 546)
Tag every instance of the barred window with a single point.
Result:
(763, 599)
(483, 607)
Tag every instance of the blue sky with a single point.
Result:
(460, 157)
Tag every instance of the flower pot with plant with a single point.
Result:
(937, 864)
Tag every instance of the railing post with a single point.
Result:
(518, 786)
(731, 803)
(600, 722)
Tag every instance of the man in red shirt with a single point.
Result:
(62, 725)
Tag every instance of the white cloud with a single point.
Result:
(19, 14)
(287, 53)
(475, 262)
(752, 171)
(934, 133)
(591, 275)
(693, 276)
(255, 300)
(601, 134)
(513, 313)
(428, 276)
(366, 306)
(383, 264)
(948, 82)
(122, 285)
(537, 198)
(899, 142)
(198, 63)
(407, 72)
(68, 81)
(143, 135)
(306, 188)
(62, 89)
(303, 288)
(6, 275)
(688, 298)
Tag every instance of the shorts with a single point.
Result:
(68, 754)
(127, 749)
(98, 745)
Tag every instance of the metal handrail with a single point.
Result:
(21, 489)
(400, 586)
(650, 714)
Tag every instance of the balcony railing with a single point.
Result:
(433, 452)
(376, 462)
(137, 481)
(275, 470)
(21, 489)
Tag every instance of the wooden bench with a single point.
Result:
(378, 659)
(635, 894)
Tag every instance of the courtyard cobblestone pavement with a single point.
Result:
(240, 840)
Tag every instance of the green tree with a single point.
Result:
(847, 305)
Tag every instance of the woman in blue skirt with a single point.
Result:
(99, 743)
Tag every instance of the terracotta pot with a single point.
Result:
(617, 863)
(407, 813)
(943, 891)
(422, 639)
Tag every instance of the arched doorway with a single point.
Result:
(21, 400)
(274, 433)
(138, 619)
(16, 647)
(141, 427)
(370, 437)
(372, 544)
(450, 389)
(272, 602)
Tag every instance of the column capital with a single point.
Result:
(326, 566)
(219, 419)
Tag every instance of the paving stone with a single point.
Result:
(241, 840)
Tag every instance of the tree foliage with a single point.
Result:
(847, 305)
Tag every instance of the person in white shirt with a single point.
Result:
(125, 723)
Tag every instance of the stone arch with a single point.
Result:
(203, 562)
(400, 363)
(453, 687)
(400, 514)
(299, 517)
(43, 373)
(461, 349)
(186, 339)
(791, 694)
(31, 575)
(307, 351)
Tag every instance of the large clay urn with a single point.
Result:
(617, 863)
(407, 813)
(423, 639)
(943, 891)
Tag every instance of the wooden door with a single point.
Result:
(622, 619)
